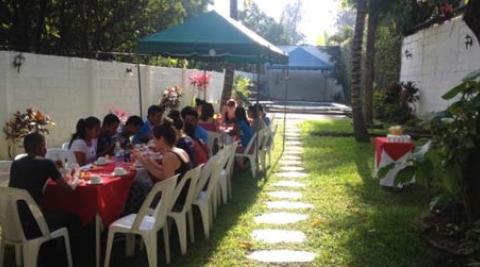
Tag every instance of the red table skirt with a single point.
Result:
(106, 199)
(394, 150)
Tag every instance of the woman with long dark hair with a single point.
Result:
(174, 161)
(84, 141)
(206, 119)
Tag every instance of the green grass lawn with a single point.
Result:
(354, 221)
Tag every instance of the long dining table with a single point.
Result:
(102, 202)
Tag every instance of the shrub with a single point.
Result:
(396, 103)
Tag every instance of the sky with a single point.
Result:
(318, 16)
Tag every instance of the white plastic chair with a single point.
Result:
(220, 185)
(203, 198)
(12, 230)
(5, 172)
(250, 153)
(227, 171)
(146, 225)
(19, 156)
(180, 217)
(66, 145)
(270, 144)
(213, 138)
(64, 155)
(263, 137)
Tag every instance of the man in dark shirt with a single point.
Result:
(132, 126)
(32, 173)
(106, 142)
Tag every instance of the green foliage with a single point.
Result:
(78, 27)
(394, 104)
(241, 88)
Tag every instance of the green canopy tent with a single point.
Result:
(212, 37)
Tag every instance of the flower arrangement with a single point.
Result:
(171, 97)
(200, 80)
(22, 124)
(121, 114)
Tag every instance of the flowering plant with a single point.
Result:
(171, 97)
(121, 114)
(22, 124)
(200, 80)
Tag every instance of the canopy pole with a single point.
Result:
(258, 82)
(285, 108)
(140, 90)
(205, 85)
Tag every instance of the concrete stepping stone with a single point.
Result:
(282, 256)
(291, 175)
(295, 148)
(293, 143)
(272, 236)
(288, 184)
(292, 169)
(285, 194)
(289, 205)
(291, 157)
(290, 162)
(292, 152)
(280, 218)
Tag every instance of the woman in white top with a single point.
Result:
(84, 142)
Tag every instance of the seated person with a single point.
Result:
(206, 119)
(175, 161)
(32, 173)
(183, 141)
(262, 114)
(154, 118)
(242, 129)
(84, 141)
(199, 105)
(200, 148)
(257, 123)
(106, 144)
(131, 127)
(229, 117)
(189, 115)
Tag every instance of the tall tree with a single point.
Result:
(373, 13)
(359, 127)
(264, 25)
(229, 68)
(472, 17)
(291, 18)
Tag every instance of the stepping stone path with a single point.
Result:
(285, 194)
(288, 184)
(288, 205)
(280, 218)
(271, 236)
(285, 211)
(282, 256)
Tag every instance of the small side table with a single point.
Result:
(389, 152)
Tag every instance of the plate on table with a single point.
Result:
(95, 183)
(103, 163)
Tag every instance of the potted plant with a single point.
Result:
(171, 97)
(22, 124)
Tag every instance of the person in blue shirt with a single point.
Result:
(189, 115)
(154, 118)
(242, 128)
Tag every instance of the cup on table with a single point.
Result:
(101, 160)
(119, 171)
(95, 179)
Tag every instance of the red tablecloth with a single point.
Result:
(106, 199)
(394, 150)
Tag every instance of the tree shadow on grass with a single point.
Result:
(385, 231)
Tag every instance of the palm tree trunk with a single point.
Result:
(370, 60)
(471, 17)
(359, 128)
(229, 68)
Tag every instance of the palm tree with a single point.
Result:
(373, 13)
(359, 127)
(229, 68)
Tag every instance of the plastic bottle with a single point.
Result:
(118, 152)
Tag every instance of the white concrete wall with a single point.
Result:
(439, 61)
(69, 88)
